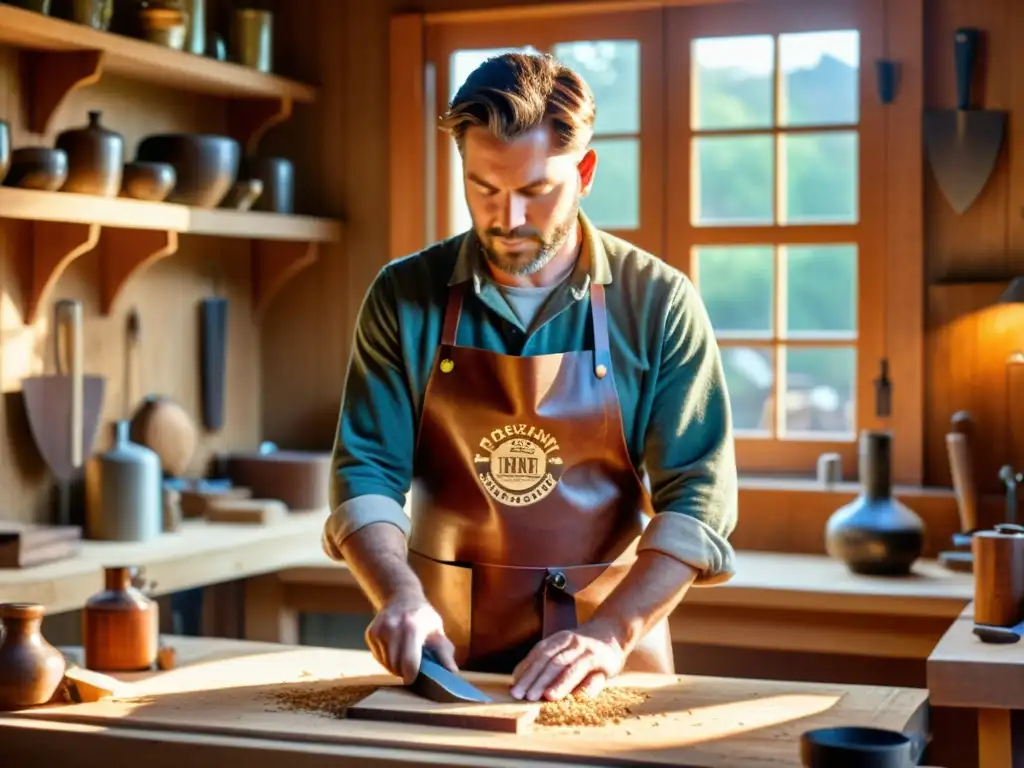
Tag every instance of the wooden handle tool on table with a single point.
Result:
(961, 467)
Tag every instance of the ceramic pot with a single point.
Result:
(95, 158)
(858, 747)
(93, 13)
(206, 165)
(147, 181)
(278, 177)
(5, 148)
(120, 626)
(875, 533)
(31, 669)
(124, 491)
(42, 168)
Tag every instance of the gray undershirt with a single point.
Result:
(526, 302)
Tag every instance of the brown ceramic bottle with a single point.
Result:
(120, 626)
(30, 668)
(95, 158)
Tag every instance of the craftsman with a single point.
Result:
(554, 399)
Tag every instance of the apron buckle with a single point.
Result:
(556, 580)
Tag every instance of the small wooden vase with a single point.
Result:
(30, 668)
(120, 626)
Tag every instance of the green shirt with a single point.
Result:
(665, 361)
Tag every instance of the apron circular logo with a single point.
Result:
(519, 465)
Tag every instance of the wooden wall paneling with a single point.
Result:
(970, 339)
(407, 108)
(904, 239)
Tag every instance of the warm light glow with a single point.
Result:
(21, 346)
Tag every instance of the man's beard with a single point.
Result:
(522, 264)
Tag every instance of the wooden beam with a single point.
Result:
(407, 147)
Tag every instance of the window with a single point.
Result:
(735, 141)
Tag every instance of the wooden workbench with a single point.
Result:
(837, 612)
(215, 705)
(965, 672)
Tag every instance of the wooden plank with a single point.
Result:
(146, 61)
(407, 146)
(35, 205)
(965, 672)
(223, 689)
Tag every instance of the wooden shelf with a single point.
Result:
(60, 56)
(132, 234)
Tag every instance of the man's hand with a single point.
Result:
(584, 660)
(400, 629)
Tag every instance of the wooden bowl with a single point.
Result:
(148, 181)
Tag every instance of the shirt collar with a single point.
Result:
(591, 267)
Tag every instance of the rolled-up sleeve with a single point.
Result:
(689, 452)
(372, 460)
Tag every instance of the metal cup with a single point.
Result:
(252, 38)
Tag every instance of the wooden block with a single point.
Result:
(23, 545)
(253, 511)
(195, 503)
(89, 685)
(396, 704)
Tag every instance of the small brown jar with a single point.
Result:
(31, 669)
(120, 626)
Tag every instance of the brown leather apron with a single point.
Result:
(526, 508)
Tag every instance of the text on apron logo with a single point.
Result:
(520, 465)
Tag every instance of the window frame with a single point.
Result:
(899, 24)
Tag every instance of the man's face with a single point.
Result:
(523, 196)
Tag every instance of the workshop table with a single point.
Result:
(213, 709)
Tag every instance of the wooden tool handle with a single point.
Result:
(961, 468)
(70, 320)
(998, 577)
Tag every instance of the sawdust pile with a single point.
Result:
(330, 700)
(612, 705)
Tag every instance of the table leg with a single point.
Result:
(1000, 738)
(268, 618)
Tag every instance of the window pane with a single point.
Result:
(820, 71)
(733, 180)
(820, 391)
(821, 289)
(820, 173)
(460, 66)
(614, 199)
(612, 70)
(749, 378)
(732, 82)
(736, 284)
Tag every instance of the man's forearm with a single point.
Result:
(378, 558)
(654, 586)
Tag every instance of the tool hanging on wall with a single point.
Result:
(963, 144)
(883, 391)
(213, 344)
(885, 80)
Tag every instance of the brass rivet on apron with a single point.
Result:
(601, 371)
(447, 365)
(556, 580)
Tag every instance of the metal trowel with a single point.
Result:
(436, 683)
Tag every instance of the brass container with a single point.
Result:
(252, 38)
(120, 626)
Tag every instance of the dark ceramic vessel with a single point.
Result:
(30, 668)
(147, 181)
(857, 747)
(875, 534)
(206, 165)
(43, 168)
(95, 158)
(278, 177)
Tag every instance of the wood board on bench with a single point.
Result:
(689, 721)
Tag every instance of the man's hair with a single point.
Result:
(514, 93)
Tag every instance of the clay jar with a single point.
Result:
(95, 158)
(120, 626)
(30, 668)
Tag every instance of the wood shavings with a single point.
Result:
(612, 705)
(332, 700)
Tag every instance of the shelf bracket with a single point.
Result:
(55, 244)
(274, 263)
(127, 252)
(250, 119)
(47, 77)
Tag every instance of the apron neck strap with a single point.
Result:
(598, 312)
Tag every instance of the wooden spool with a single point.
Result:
(999, 576)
